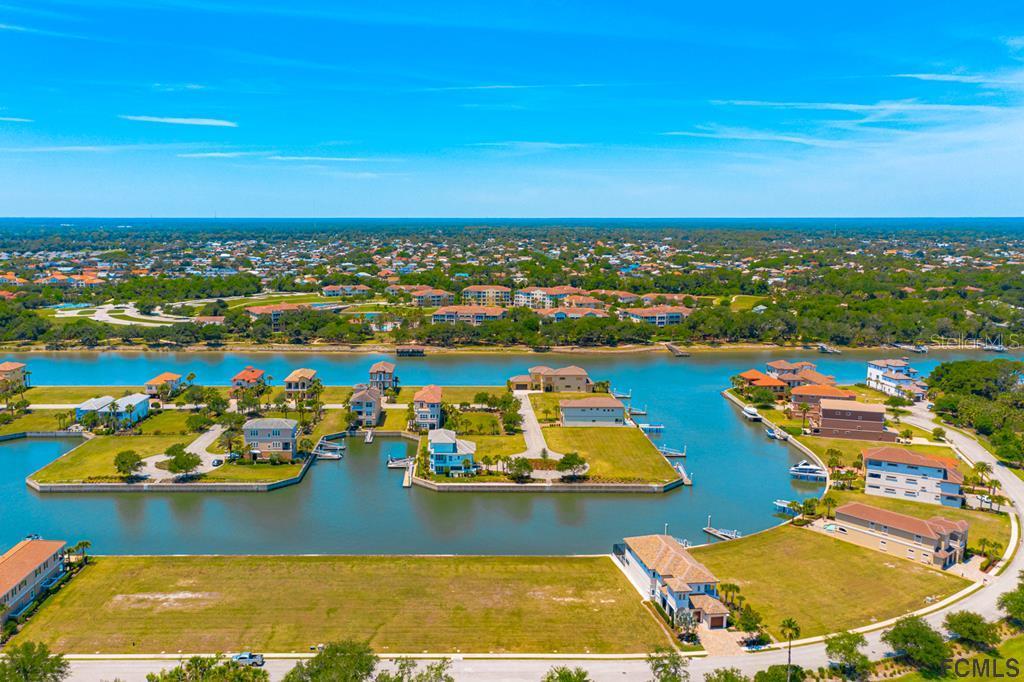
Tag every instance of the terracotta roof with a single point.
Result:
(570, 371)
(383, 366)
(896, 455)
(486, 287)
(823, 391)
(664, 554)
(275, 308)
(162, 378)
(767, 382)
(786, 365)
(19, 561)
(301, 373)
(752, 374)
(814, 377)
(708, 604)
(488, 310)
(9, 366)
(851, 406)
(520, 378)
(428, 394)
(250, 373)
(596, 401)
(540, 369)
(931, 528)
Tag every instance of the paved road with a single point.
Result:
(532, 432)
(810, 655)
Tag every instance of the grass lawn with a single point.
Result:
(455, 395)
(483, 423)
(549, 402)
(333, 422)
(497, 445)
(251, 473)
(272, 299)
(778, 417)
(36, 420)
(615, 453)
(72, 395)
(825, 584)
(395, 420)
(983, 524)
(397, 604)
(866, 395)
(336, 394)
(93, 460)
(741, 302)
(851, 448)
(168, 422)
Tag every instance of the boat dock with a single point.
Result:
(677, 351)
(913, 348)
(620, 395)
(642, 411)
(407, 478)
(750, 413)
(369, 436)
(672, 452)
(782, 507)
(721, 533)
(825, 348)
(682, 474)
(651, 428)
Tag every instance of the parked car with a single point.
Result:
(248, 658)
(217, 462)
(233, 456)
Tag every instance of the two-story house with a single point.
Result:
(366, 404)
(662, 570)
(154, 386)
(938, 541)
(426, 404)
(250, 377)
(895, 377)
(595, 411)
(13, 374)
(26, 570)
(298, 383)
(897, 472)
(383, 377)
(449, 454)
(270, 437)
(842, 418)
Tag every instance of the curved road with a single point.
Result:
(809, 655)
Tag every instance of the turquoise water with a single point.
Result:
(358, 506)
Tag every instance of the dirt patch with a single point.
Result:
(164, 601)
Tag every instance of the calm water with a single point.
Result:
(358, 506)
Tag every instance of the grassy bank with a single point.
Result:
(72, 395)
(615, 453)
(93, 460)
(398, 604)
(451, 394)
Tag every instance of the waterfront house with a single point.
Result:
(449, 454)
(366, 404)
(13, 374)
(840, 418)
(426, 406)
(560, 314)
(659, 315)
(26, 571)
(383, 377)
(470, 314)
(937, 541)
(266, 438)
(250, 377)
(298, 383)
(92, 405)
(595, 411)
(897, 472)
(777, 367)
(571, 379)
(812, 395)
(895, 377)
(662, 570)
(128, 409)
(273, 313)
(753, 378)
(432, 298)
(487, 294)
(169, 379)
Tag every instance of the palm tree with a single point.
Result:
(830, 503)
(191, 377)
(790, 630)
(983, 545)
(81, 549)
(729, 590)
(983, 470)
(804, 409)
(995, 549)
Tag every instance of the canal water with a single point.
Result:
(358, 506)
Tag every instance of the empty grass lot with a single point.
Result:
(983, 524)
(251, 473)
(741, 302)
(545, 405)
(825, 584)
(36, 420)
(456, 395)
(395, 420)
(93, 460)
(497, 445)
(168, 422)
(849, 449)
(619, 454)
(72, 395)
(333, 395)
(398, 604)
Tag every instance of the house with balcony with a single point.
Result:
(334, 290)
(271, 437)
(659, 315)
(383, 377)
(250, 377)
(486, 294)
(366, 404)
(27, 570)
(155, 386)
(449, 455)
(470, 314)
(298, 383)
(812, 395)
(895, 377)
(432, 298)
(755, 378)
(426, 404)
(544, 297)
(663, 571)
(570, 379)
(272, 313)
(938, 541)
(14, 374)
(902, 474)
(842, 418)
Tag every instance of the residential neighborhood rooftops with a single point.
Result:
(24, 557)
(486, 287)
(787, 366)
(821, 391)
(664, 554)
(428, 394)
(486, 310)
(930, 528)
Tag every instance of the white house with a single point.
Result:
(595, 411)
(895, 377)
(663, 571)
(896, 472)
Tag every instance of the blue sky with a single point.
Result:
(517, 108)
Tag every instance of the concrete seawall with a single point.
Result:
(546, 487)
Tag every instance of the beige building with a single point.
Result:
(937, 541)
(487, 294)
(571, 379)
(13, 374)
(299, 382)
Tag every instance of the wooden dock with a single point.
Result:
(677, 351)
(721, 533)
(407, 478)
(369, 436)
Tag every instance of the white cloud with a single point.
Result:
(214, 122)
(746, 134)
(221, 155)
(15, 119)
(322, 158)
(894, 106)
(1009, 79)
(530, 146)
(177, 87)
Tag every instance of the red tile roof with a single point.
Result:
(428, 394)
(19, 561)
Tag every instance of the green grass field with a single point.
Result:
(483, 423)
(336, 394)
(615, 453)
(866, 395)
(93, 460)
(545, 405)
(741, 302)
(497, 445)
(72, 395)
(849, 449)
(398, 604)
(395, 420)
(251, 473)
(825, 584)
(36, 420)
(271, 299)
(455, 395)
(983, 524)
(168, 422)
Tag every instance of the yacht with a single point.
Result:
(808, 471)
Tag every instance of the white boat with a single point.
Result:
(751, 413)
(402, 463)
(808, 471)
(783, 507)
(327, 454)
(775, 434)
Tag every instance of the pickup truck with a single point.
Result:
(248, 658)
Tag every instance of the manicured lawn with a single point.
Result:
(983, 524)
(825, 584)
(455, 395)
(72, 395)
(333, 421)
(336, 394)
(497, 445)
(395, 420)
(251, 473)
(93, 460)
(272, 299)
(741, 302)
(166, 423)
(549, 402)
(851, 448)
(485, 423)
(778, 417)
(36, 420)
(866, 395)
(621, 454)
(397, 604)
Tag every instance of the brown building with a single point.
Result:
(850, 419)
(937, 541)
(812, 394)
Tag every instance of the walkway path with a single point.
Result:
(200, 446)
(532, 432)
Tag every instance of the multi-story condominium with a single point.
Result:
(895, 377)
(169, 379)
(366, 404)
(266, 438)
(383, 377)
(896, 472)
(432, 298)
(624, 297)
(656, 298)
(544, 297)
(346, 290)
(13, 374)
(273, 313)
(407, 289)
(449, 454)
(299, 381)
(595, 411)
(470, 314)
(937, 541)
(26, 570)
(812, 394)
(663, 571)
(837, 418)
(559, 314)
(487, 294)
(571, 379)
(659, 315)
(426, 405)
(581, 301)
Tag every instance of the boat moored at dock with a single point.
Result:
(806, 470)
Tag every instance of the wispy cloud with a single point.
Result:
(214, 122)
(894, 106)
(222, 155)
(86, 148)
(746, 134)
(177, 87)
(325, 159)
(530, 146)
(1000, 80)
(15, 119)
(29, 30)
